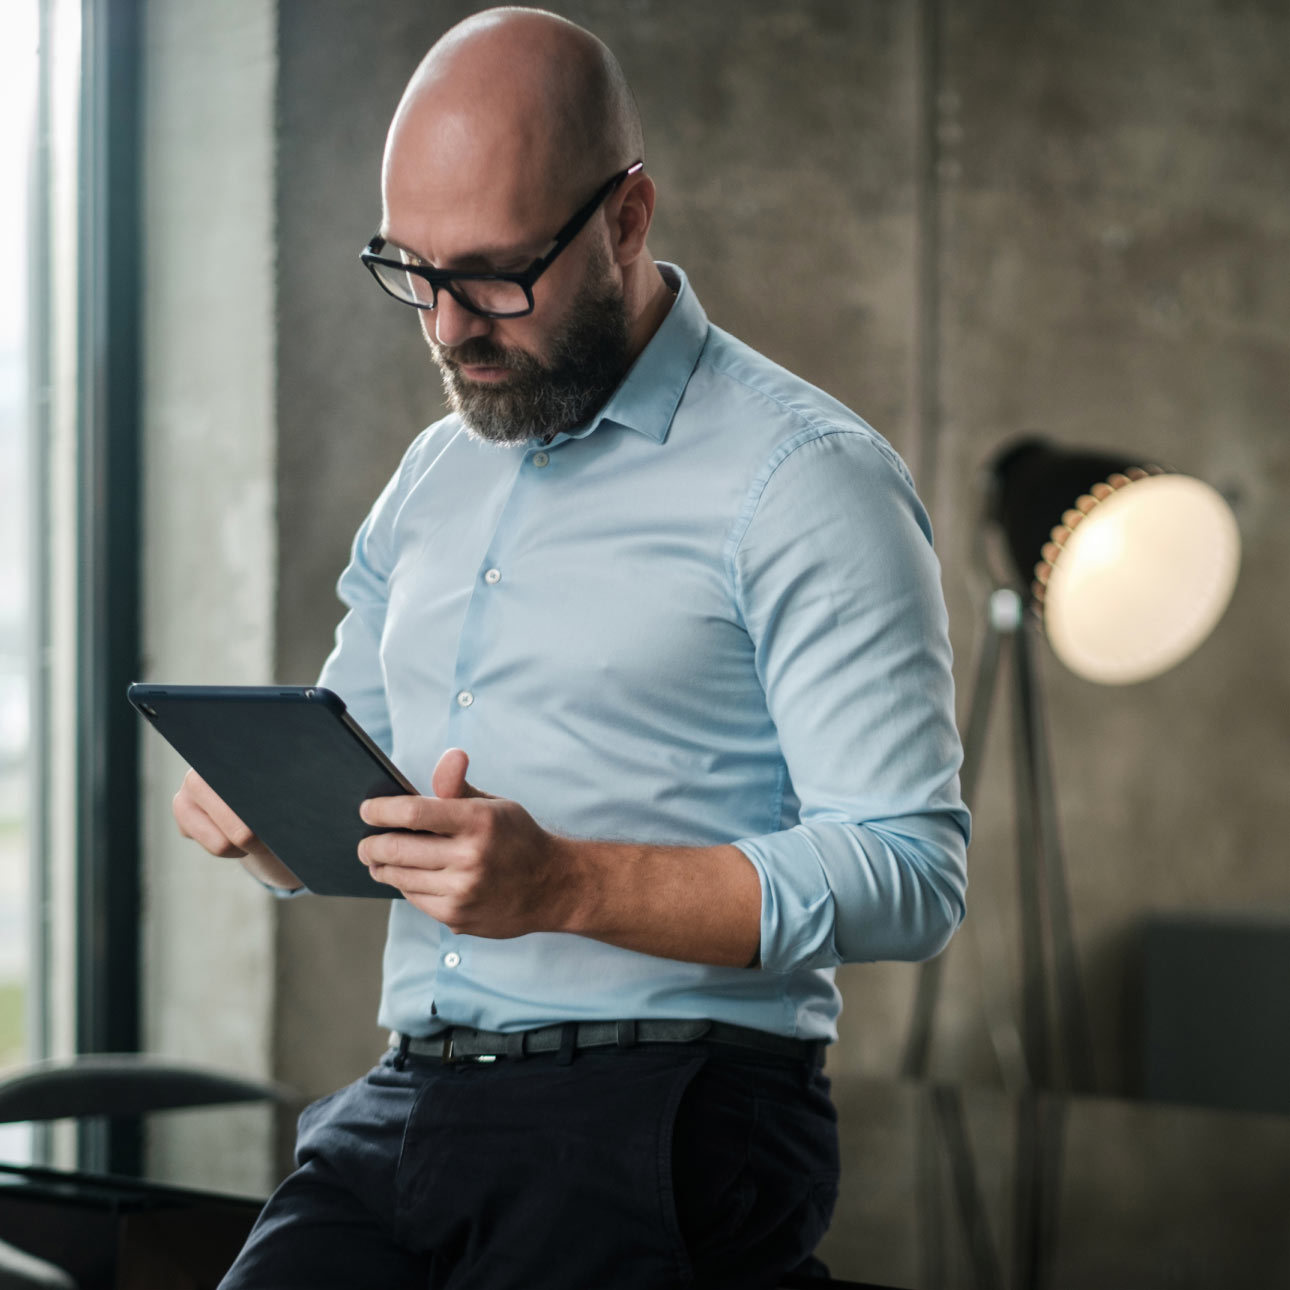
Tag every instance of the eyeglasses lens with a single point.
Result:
(490, 297)
(486, 296)
(406, 286)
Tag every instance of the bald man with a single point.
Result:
(677, 614)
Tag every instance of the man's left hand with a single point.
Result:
(479, 864)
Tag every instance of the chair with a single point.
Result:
(109, 1085)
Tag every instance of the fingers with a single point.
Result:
(429, 814)
(404, 850)
(449, 778)
(439, 893)
(420, 814)
(443, 909)
(205, 817)
(196, 824)
(432, 884)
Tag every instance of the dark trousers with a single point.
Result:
(659, 1166)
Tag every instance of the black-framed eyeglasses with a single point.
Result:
(491, 295)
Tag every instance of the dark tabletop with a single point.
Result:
(950, 1186)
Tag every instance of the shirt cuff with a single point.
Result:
(284, 893)
(797, 905)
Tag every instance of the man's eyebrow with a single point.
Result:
(480, 260)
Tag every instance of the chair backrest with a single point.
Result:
(19, 1271)
(122, 1084)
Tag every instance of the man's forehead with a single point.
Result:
(478, 255)
(477, 151)
(466, 183)
(452, 221)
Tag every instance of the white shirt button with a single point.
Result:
(451, 959)
(540, 459)
(465, 699)
(493, 575)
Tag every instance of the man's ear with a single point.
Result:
(630, 224)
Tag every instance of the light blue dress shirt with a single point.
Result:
(711, 615)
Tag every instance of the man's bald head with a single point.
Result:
(531, 87)
(513, 119)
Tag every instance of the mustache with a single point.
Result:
(476, 352)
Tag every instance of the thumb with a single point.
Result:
(449, 778)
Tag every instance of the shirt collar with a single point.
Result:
(647, 398)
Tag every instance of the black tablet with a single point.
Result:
(291, 763)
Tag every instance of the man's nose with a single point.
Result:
(454, 323)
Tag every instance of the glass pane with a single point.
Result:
(406, 286)
(17, 96)
(495, 297)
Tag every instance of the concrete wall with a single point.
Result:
(965, 220)
(784, 144)
(1115, 268)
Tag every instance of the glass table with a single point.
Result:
(947, 1186)
(943, 1187)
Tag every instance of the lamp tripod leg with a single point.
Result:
(918, 1044)
(1031, 873)
(1049, 890)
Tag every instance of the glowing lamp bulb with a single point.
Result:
(1142, 579)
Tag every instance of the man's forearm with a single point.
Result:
(697, 904)
(483, 866)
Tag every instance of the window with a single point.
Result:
(68, 622)
(18, 66)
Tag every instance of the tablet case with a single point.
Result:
(291, 763)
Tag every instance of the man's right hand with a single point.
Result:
(205, 817)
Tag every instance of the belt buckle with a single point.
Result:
(450, 1053)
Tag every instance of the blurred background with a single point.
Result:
(964, 218)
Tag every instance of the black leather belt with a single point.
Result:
(462, 1043)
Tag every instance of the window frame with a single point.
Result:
(84, 986)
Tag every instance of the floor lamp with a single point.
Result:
(1125, 567)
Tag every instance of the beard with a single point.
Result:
(543, 397)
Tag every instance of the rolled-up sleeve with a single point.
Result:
(353, 668)
(839, 589)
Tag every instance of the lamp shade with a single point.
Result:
(1131, 565)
